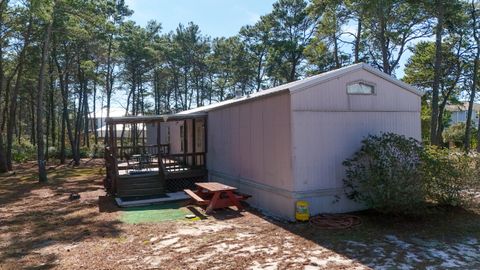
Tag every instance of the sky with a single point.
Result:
(215, 17)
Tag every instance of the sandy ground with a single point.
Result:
(40, 228)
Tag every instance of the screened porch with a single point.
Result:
(155, 155)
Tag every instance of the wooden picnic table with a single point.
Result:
(215, 195)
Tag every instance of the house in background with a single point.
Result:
(95, 122)
(288, 143)
(459, 113)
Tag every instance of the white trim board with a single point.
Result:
(175, 196)
(276, 190)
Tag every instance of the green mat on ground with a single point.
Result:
(154, 213)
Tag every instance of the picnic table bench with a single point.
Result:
(216, 195)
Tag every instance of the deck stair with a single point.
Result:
(140, 185)
(174, 166)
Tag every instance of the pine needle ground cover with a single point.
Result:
(41, 228)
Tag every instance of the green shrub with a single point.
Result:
(84, 152)
(97, 150)
(384, 174)
(393, 174)
(449, 175)
(53, 152)
(23, 151)
(455, 135)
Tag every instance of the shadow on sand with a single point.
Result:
(38, 219)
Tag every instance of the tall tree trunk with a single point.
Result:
(33, 136)
(14, 94)
(473, 90)
(356, 51)
(293, 69)
(441, 111)
(108, 83)
(85, 115)
(42, 172)
(47, 128)
(156, 95)
(78, 126)
(62, 140)
(335, 43)
(259, 73)
(5, 108)
(71, 138)
(63, 77)
(94, 124)
(52, 105)
(434, 136)
(3, 161)
(335, 51)
(383, 42)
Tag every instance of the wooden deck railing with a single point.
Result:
(147, 149)
(179, 162)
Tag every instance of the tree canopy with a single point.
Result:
(64, 61)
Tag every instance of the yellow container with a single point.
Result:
(301, 211)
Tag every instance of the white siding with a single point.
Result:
(324, 140)
(461, 117)
(332, 96)
(249, 144)
(328, 126)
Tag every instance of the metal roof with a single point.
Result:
(308, 82)
(152, 118)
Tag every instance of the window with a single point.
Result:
(360, 88)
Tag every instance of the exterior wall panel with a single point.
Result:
(249, 145)
(328, 126)
(332, 96)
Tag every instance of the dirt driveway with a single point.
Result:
(41, 228)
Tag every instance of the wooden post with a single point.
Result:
(144, 126)
(205, 138)
(159, 150)
(121, 141)
(113, 135)
(194, 142)
(113, 129)
(185, 141)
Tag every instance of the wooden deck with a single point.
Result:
(171, 166)
(147, 180)
(135, 167)
(140, 185)
(150, 183)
